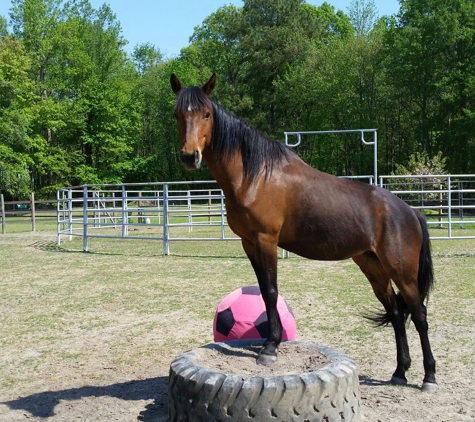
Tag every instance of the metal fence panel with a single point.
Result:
(154, 211)
(195, 211)
(448, 201)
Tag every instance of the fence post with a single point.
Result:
(223, 233)
(2, 209)
(84, 219)
(157, 194)
(70, 213)
(95, 207)
(140, 218)
(58, 216)
(441, 198)
(209, 206)
(33, 212)
(125, 213)
(190, 216)
(166, 242)
(449, 197)
(114, 219)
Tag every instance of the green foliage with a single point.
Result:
(3, 27)
(84, 105)
(145, 57)
(430, 65)
(421, 164)
(334, 88)
(14, 177)
(16, 116)
(74, 108)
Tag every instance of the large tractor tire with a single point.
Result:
(328, 394)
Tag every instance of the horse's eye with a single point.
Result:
(207, 115)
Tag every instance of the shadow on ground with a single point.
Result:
(371, 382)
(43, 404)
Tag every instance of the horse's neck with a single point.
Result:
(228, 173)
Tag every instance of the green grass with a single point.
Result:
(125, 305)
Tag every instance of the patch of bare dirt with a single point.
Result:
(293, 359)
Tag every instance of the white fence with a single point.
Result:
(159, 211)
(448, 201)
(195, 211)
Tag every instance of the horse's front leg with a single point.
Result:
(263, 256)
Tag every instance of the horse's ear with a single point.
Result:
(208, 87)
(175, 83)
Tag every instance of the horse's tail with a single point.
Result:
(425, 278)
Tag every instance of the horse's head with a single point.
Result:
(194, 114)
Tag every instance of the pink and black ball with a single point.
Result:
(242, 315)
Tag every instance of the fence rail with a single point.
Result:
(29, 211)
(160, 211)
(448, 201)
(195, 211)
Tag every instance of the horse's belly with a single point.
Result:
(321, 253)
(326, 245)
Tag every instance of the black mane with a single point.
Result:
(193, 97)
(230, 134)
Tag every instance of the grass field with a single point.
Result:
(89, 336)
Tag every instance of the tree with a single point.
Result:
(363, 16)
(335, 87)
(429, 62)
(3, 27)
(16, 116)
(216, 47)
(146, 56)
(87, 114)
(273, 39)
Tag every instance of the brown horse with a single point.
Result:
(275, 199)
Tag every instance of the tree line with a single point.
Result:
(75, 108)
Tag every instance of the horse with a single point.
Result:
(274, 199)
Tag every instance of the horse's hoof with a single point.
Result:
(398, 381)
(429, 387)
(266, 360)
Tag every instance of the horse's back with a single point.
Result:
(330, 218)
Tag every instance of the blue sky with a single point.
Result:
(169, 24)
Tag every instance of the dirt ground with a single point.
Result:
(142, 395)
(72, 377)
(293, 359)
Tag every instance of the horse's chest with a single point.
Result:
(238, 219)
(246, 221)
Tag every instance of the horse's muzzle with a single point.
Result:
(191, 161)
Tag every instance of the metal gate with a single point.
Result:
(195, 211)
(448, 201)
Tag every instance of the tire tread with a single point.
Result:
(328, 394)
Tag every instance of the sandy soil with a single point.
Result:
(293, 359)
(143, 396)
(78, 381)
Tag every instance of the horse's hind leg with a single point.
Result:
(394, 307)
(405, 276)
(419, 318)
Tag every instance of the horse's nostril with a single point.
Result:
(191, 160)
(186, 158)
